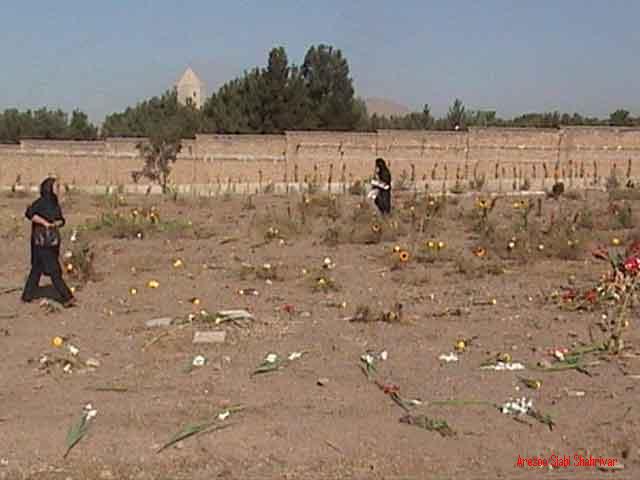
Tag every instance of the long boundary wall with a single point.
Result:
(505, 157)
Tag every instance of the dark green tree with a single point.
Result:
(330, 89)
(620, 118)
(80, 128)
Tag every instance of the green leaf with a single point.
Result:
(76, 432)
(194, 429)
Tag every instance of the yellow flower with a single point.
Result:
(541, 247)
(178, 263)
(404, 256)
(441, 245)
(461, 345)
(479, 252)
(57, 342)
(195, 300)
(375, 228)
(153, 284)
(396, 249)
(69, 267)
(431, 244)
(504, 358)
(133, 291)
(615, 241)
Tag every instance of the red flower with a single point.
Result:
(632, 265)
(288, 308)
(569, 295)
(591, 296)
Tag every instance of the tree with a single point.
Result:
(80, 128)
(456, 118)
(160, 152)
(330, 89)
(146, 117)
(620, 118)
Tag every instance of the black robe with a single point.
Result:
(45, 260)
(383, 191)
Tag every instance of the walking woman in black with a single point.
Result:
(46, 218)
(381, 187)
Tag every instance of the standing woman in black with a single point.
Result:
(46, 218)
(381, 187)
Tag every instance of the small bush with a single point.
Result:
(78, 262)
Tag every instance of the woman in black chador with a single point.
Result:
(46, 218)
(381, 187)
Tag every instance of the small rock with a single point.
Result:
(218, 336)
(159, 322)
(322, 381)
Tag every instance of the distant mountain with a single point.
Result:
(386, 107)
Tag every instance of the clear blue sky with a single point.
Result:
(512, 56)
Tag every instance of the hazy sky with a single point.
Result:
(512, 56)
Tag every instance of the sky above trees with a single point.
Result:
(513, 57)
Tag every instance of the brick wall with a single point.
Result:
(212, 159)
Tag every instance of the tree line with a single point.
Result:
(46, 124)
(315, 95)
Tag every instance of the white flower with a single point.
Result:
(73, 350)
(517, 407)
(271, 358)
(368, 359)
(67, 368)
(448, 357)
(328, 263)
(74, 236)
(504, 366)
(199, 361)
(224, 415)
(267, 266)
(67, 255)
(384, 355)
(295, 355)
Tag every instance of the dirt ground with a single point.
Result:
(291, 426)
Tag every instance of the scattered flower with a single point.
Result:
(271, 358)
(504, 366)
(199, 361)
(517, 407)
(448, 357)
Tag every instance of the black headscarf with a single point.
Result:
(47, 206)
(382, 172)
